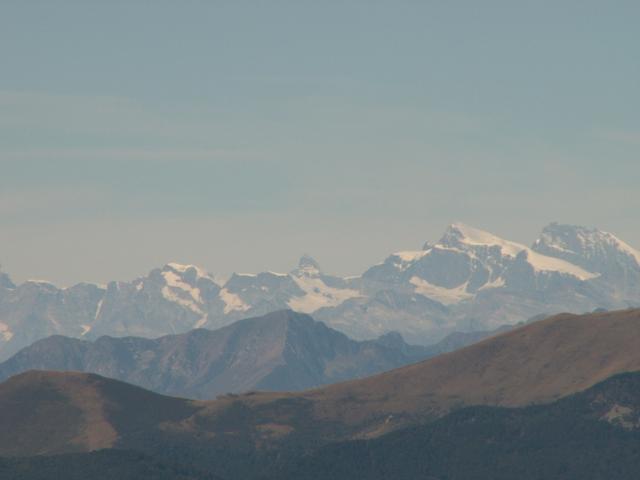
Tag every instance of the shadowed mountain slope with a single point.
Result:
(282, 351)
(55, 412)
(590, 435)
(537, 363)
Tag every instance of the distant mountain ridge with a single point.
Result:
(281, 351)
(468, 280)
(596, 251)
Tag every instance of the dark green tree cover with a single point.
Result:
(101, 465)
(567, 440)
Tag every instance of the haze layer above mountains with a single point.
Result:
(469, 280)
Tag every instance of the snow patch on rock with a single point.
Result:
(318, 295)
(446, 296)
(544, 263)
(180, 268)
(201, 322)
(98, 309)
(410, 256)
(464, 235)
(497, 283)
(232, 302)
(180, 292)
(5, 332)
(174, 281)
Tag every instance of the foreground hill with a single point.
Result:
(590, 435)
(467, 280)
(54, 412)
(281, 351)
(537, 363)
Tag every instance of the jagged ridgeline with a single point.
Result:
(280, 351)
(468, 280)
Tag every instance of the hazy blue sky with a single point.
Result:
(238, 135)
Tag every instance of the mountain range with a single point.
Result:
(280, 351)
(438, 418)
(467, 281)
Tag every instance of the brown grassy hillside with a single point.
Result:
(45, 412)
(536, 363)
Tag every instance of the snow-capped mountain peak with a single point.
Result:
(469, 279)
(583, 244)
(465, 237)
(598, 251)
(461, 235)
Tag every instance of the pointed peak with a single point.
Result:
(393, 339)
(5, 280)
(307, 260)
(307, 265)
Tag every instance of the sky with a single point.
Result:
(239, 135)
